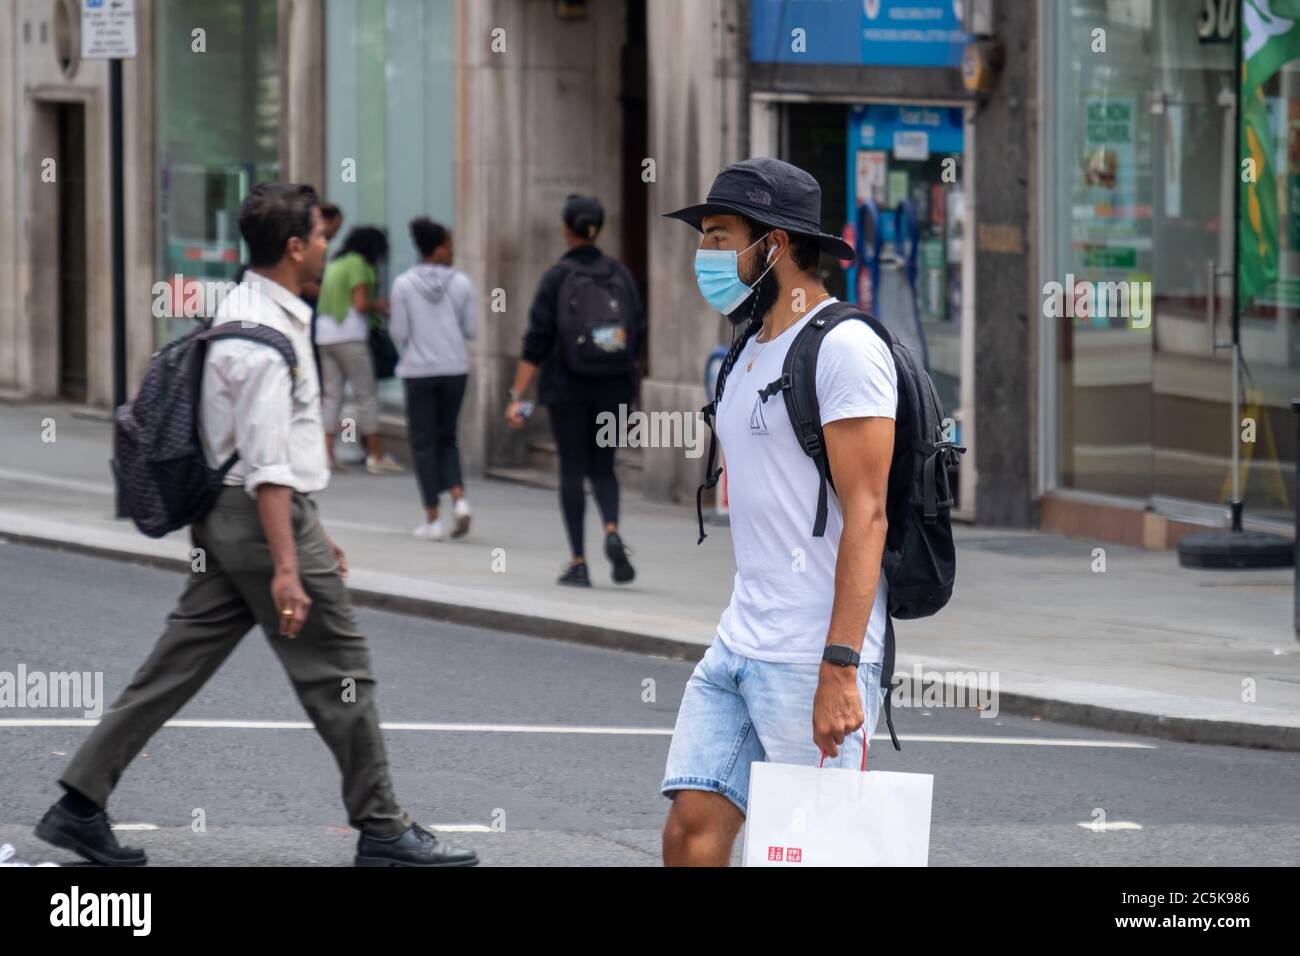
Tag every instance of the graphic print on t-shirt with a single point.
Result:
(757, 424)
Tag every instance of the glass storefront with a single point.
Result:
(891, 179)
(1143, 157)
(217, 95)
(390, 121)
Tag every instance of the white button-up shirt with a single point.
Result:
(245, 402)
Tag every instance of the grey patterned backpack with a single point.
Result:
(163, 479)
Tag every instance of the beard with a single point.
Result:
(766, 292)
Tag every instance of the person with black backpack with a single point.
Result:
(225, 435)
(819, 414)
(584, 329)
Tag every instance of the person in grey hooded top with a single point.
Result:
(434, 313)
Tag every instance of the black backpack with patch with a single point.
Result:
(163, 479)
(595, 311)
(920, 560)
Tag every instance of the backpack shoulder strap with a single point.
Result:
(597, 267)
(887, 678)
(255, 333)
(798, 385)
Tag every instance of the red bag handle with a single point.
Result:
(864, 750)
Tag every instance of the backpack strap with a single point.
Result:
(798, 382)
(596, 269)
(887, 676)
(710, 411)
(256, 333)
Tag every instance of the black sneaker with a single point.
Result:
(416, 847)
(617, 553)
(88, 837)
(575, 576)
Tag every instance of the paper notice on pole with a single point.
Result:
(107, 29)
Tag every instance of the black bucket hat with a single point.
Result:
(771, 192)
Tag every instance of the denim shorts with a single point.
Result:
(737, 710)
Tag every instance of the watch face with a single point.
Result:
(841, 655)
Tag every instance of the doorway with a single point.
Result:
(894, 179)
(633, 94)
(70, 177)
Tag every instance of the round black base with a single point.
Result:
(1236, 549)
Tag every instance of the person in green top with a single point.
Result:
(346, 310)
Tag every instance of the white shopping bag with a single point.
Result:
(813, 816)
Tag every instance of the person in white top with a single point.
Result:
(264, 559)
(793, 675)
(434, 313)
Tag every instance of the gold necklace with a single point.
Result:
(749, 367)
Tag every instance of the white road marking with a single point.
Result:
(1117, 825)
(1019, 741)
(461, 828)
(386, 725)
(444, 827)
(570, 729)
(70, 484)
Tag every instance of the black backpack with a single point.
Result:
(920, 560)
(595, 310)
(163, 479)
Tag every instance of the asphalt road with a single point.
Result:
(497, 766)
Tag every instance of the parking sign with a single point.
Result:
(108, 29)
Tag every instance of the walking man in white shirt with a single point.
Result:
(268, 562)
(794, 672)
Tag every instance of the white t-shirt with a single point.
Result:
(778, 613)
(352, 329)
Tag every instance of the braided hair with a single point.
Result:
(740, 337)
(744, 332)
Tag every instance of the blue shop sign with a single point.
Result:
(860, 32)
(884, 127)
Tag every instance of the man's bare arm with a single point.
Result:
(859, 451)
(275, 510)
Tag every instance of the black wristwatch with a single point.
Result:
(841, 655)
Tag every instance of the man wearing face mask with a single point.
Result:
(794, 673)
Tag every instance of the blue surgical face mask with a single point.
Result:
(717, 273)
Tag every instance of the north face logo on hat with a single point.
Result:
(759, 196)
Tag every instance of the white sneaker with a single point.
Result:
(461, 512)
(430, 530)
(386, 465)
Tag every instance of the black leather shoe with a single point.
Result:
(89, 837)
(617, 553)
(416, 847)
(575, 576)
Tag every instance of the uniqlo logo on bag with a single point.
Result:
(794, 854)
(774, 853)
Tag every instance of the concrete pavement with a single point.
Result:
(1144, 647)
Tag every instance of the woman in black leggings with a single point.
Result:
(576, 400)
